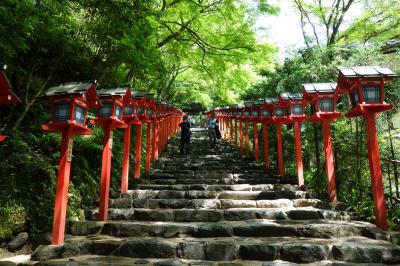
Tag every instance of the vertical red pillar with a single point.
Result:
(241, 135)
(247, 138)
(148, 147)
(280, 151)
(330, 168)
(236, 132)
(376, 172)
(154, 150)
(125, 159)
(265, 138)
(60, 208)
(255, 133)
(299, 159)
(136, 174)
(231, 130)
(105, 173)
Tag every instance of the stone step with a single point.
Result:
(139, 194)
(216, 215)
(115, 260)
(226, 181)
(205, 187)
(291, 249)
(251, 228)
(199, 203)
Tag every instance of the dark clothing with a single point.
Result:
(185, 130)
(185, 137)
(185, 146)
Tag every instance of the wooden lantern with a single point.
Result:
(69, 104)
(365, 87)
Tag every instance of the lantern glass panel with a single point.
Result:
(246, 114)
(149, 111)
(140, 110)
(297, 109)
(326, 105)
(266, 113)
(118, 111)
(279, 112)
(79, 115)
(128, 110)
(254, 114)
(105, 110)
(354, 98)
(372, 94)
(62, 112)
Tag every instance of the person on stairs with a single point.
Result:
(212, 124)
(185, 135)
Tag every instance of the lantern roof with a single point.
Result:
(70, 88)
(119, 91)
(358, 72)
(248, 104)
(290, 96)
(240, 106)
(310, 88)
(138, 94)
(258, 102)
(271, 101)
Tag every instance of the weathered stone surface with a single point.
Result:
(121, 214)
(264, 229)
(147, 248)
(198, 215)
(247, 214)
(105, 246)
(214, 230)
(306, 202)
(304, 252)
(221, 251)
(228, 204)
(125, 229)
(168, 230)
(169, 263)
(308, 214)
(191, 250)
(205, 204)
(124, 202)
(280, 203)
(366, 252)
(80, 228)
(49, 252)
(154, 215)
(200, 194)
(76, 248)
(259, 252)
(18, 241)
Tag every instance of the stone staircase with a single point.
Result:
(216, 208)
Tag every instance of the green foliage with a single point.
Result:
(13, 219)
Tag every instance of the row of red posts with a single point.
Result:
(115, 108)
(365, 87)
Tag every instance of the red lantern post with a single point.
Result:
(7, 95)
(109, 116)
(323, 98)
(365, 86)
(139, 97)
(255, 117)
(266, 110)
(296, 115)
(69, 104)
(247, 118)
(130, 118)
(151, 116)
(279, 117)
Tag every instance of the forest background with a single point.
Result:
(186, 52)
